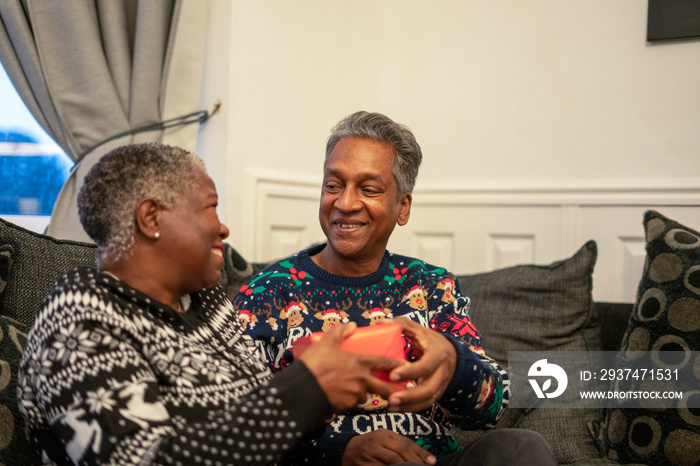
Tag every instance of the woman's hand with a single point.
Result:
(383, 446)
(345, 377)
(433, 371)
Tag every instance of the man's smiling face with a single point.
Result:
(359, 205)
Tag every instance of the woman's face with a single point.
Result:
(192, 237)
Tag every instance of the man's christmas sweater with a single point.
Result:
(295, 297)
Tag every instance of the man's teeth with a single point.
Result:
(218, 252)
(347, 225)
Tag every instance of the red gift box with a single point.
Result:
(382, 339)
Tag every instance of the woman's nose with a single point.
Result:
(223, 231)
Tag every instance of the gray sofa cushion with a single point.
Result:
(14, 444)
(36, 262)
(540, 308)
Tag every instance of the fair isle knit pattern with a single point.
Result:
(295, 297)
(112, 376)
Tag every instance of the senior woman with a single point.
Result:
(143, 361)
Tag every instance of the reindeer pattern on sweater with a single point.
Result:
(295, 297)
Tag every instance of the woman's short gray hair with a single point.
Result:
(123, 178)
(380, 128)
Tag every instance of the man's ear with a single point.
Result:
(148, 218)
(405, 209)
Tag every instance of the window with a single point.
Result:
(32, 166)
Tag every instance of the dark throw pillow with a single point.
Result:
(539, 308)
(666, 317)
(6, 252)
(14, 442)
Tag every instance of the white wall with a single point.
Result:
(506, 98)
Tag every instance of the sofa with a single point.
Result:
(519, 308)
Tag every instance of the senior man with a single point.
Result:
(369, 172)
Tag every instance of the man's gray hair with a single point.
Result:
(123, 178)
(380, 128)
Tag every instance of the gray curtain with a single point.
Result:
(89, 70)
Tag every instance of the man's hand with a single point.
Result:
(383, 446)
(433, 371)
(347, 378)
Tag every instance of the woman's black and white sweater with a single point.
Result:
(110, 375)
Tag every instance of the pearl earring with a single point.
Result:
(157, 235)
